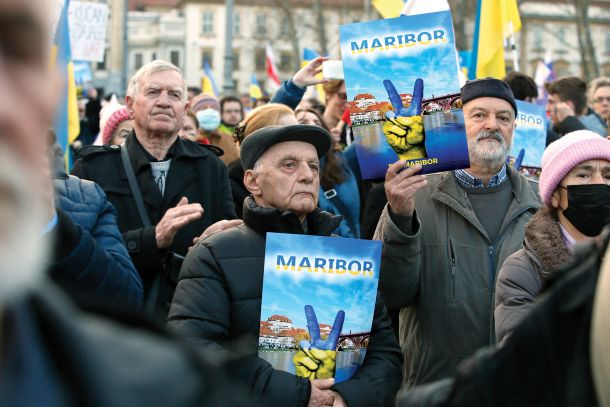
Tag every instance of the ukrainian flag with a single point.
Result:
(495, 21)
(388, 8)
(207, 83)
(67, 125)
(255, 90)
(309, 55)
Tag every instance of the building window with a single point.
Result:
(259, 59)
(561, 36)
(207, 56)
(153, 56)
(174, 57)
(208, 23)
(236, 24)
(608, 42)
(538, 34)
(101, 66)
(284, 28)
(261, 24)
(235, 59)
(138, 61)
(285, 61)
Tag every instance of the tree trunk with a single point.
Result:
(321, 27)
(588, 58)
(287, 10)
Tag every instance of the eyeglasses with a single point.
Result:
(601, 99)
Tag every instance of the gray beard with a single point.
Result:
(488, 154)
(22, 218)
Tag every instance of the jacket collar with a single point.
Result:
(264, 220)
(543, 238)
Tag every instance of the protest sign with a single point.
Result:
(88, 24)
(318, 302)
(530, 134)
(401, 77)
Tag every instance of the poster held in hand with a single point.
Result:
(311, 282)
(401, 77)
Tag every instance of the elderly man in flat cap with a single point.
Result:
(446, 235)
(218, 298)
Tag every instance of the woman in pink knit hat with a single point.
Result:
(575, 192)
(115, 124)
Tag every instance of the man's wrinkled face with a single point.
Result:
(160, 104)
(490, 123)
(286, 177)
(231, 113)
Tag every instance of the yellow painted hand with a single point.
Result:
(315, 363)
(404, 127)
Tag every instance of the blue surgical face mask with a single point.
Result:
(209, 119)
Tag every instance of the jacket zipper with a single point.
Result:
(452, 253)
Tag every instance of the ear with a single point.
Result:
(251, 183)
(129, 103)
(555, 199)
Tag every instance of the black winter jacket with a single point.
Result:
(195, 173)
(217, 305)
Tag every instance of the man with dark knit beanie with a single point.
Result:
(445, 235)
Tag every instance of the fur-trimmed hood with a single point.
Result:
(544, 240)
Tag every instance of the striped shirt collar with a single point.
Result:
(467, 180)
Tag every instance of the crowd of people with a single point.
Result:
(136, 277)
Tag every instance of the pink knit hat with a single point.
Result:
(566, 153)
(110, 120)
(204, 99)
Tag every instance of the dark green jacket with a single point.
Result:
(440, 270)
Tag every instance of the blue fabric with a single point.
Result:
(288, 94)
(51, 225)
(100, 261)
(593, 123)
(349, 194)
(464, 179)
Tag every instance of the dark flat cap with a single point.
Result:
(488, 87)
(261, 140)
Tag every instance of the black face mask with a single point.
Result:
(588, 207)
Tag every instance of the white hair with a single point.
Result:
(152, 67)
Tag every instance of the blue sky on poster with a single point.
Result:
(436, 63)
(287, 292)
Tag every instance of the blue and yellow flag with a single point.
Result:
(255, 90)
(67, 125)
(495, 21)
(208, 85)
(388, 8)
(309, 55)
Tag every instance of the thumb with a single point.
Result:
(324, 384)
(183, 201)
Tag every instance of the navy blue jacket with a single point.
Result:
(93, 260)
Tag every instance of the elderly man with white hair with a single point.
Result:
(184, 186)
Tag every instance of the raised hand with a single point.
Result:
(404, 127)
(175, 219)
(317, 359)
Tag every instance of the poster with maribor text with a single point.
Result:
(529, 140)
(318, 303)
(403, 91)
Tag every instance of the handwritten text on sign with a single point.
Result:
(88, 23)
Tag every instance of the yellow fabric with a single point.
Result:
(206, 86)
(494, 27)
(255, 91)
(388, 8)
(73, 119)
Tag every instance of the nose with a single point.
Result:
(305, 173)
(598, 178)
(491, 123)
(163, 99)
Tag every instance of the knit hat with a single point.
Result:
(203, 99)
(488, 87)
(110, 117)
(566, 153)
